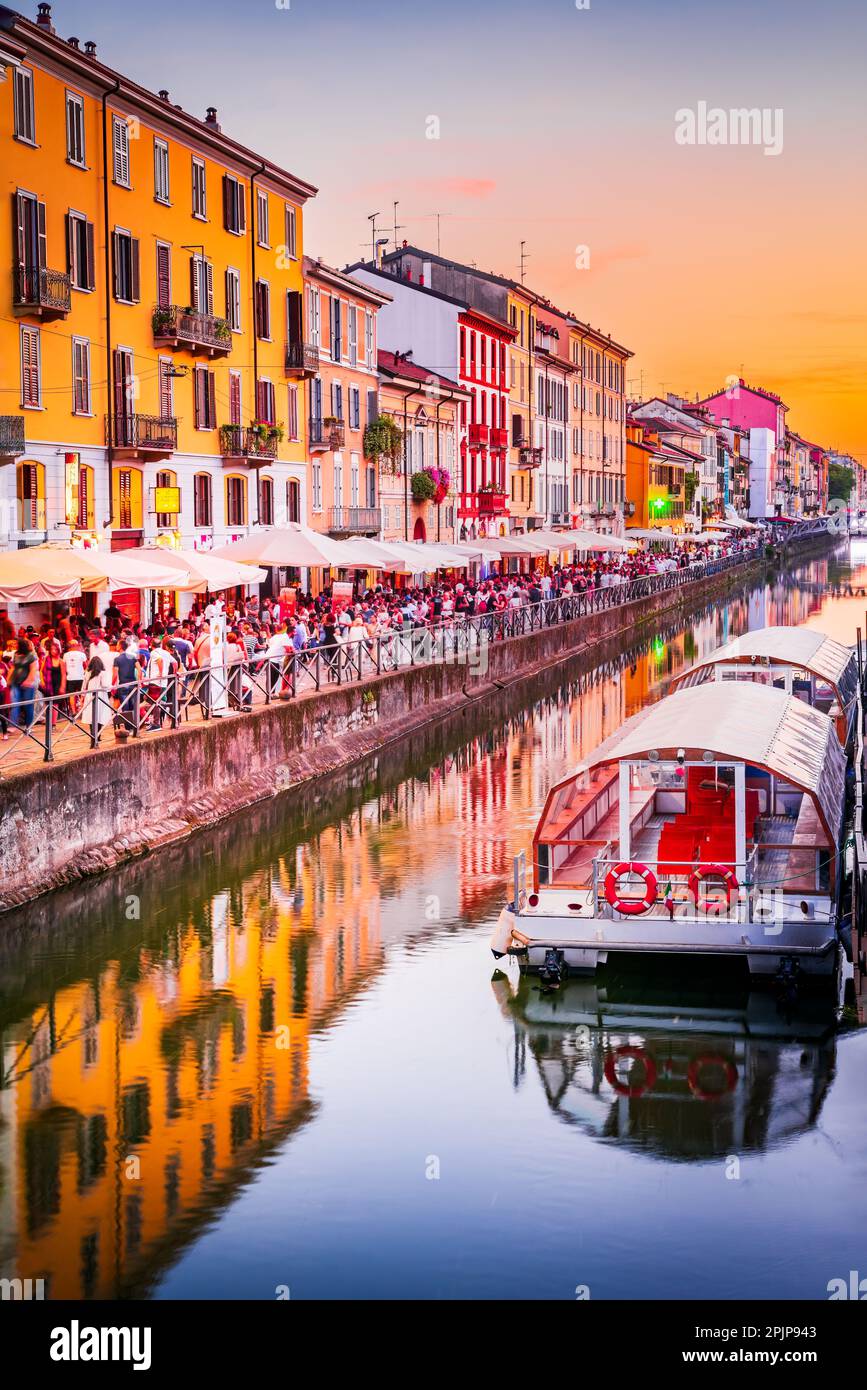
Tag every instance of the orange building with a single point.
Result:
(344, 397)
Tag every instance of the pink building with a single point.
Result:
(752, 408)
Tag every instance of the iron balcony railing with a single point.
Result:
(156, 432)
(187, 328)
(11, 435)
(248, 442)
(42, 290)
(355, 520)
(302, 358)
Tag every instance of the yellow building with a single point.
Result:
(152, 323)
(526, 502)
(655, 480)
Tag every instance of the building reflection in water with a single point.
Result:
(678, 1072)
(149, 1070)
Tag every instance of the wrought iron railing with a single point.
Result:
(189, 328)
(248, 441)
(302, 357)
(11, 435)
(355, 519)
(39, 288)
(157, 432)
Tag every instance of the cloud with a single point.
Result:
(607, 256)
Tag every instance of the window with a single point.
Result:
(291, 232)
(127, 286)
(262, 227)
(25, 124)
(266, 501)
(236, 500)
(79, 495)
(234, 206)
(161, 171)
(80, 376)
(263, 309)
(353, 335)
(75, 129)
(369, 348)
(164, 275)
(266, 408)
(354, 408)
(337, 400)
(120, 146)
(128, 509)
(338, 482)
(204, 388)
(292, 413)
(166, 478)
(233, 299)
(336, 345)
(293, 500)
(80, 252)
(234, 398)
(353, 481)
(313, 307)
(316, 484)
(202, 504)
(200, 190)
(31, 368)
(31, 497)
(167, 389)
(202, 285)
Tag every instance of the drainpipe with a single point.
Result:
(253, 178)
(406, 398)
(109, 363)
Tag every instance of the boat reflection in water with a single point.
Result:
(679, 1072)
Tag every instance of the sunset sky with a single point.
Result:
(557, 126)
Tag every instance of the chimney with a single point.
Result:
(90, 48)
(73, 43)
(211, 117)
(43, 18)
(163, 94)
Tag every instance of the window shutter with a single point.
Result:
(30, 366)
(70, 249)
(163, 276)
(372, 406)
(234, 398)
(43, 258)
(198, 394)
(19, 225)
(194, 284)
(242, 207)
(135, 270)
(89, 276)
(227, 203)
(212, 400)
(293, 317)
(115, 261)
(209, 273)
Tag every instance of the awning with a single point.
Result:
(748, 723)
(788, 646)
(43, 572)
(198, 571)
(594, 540)
(286, 546)
(665, 537)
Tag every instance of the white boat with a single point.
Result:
(711, 825)
(820, 671)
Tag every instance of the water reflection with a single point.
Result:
(156, 1025)
(677, 1072)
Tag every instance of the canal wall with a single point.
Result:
(68, 820)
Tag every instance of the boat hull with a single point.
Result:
(583, 945)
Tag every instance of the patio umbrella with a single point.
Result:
(284, 546)
(77, 571)
(201, 570)
(594, 540)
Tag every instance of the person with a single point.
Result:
(127, 672)
(5, 697)
(162, 666)
(7, 629)
(23, 684)
(52, 676)
(96, 711)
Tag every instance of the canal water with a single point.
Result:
(279, 1061)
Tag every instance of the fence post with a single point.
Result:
(49, 732)
(174, 701)
(94, 718)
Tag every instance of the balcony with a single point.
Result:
(493, 504)
(354, 521)
(477, 435)
(146, 437)
(302, 359)
(329, 433)
(675, 489)
(11, 437)
(529, 457)
(185, 330)
(499, 439)
(248, 443)
(40, 291)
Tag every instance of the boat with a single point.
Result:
(820, 671)
(711, 824)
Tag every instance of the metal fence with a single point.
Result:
(44, 728)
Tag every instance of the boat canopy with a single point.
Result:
(787, 646)
(743, 722)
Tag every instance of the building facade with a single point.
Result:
(425, 407)
(151, 310)
(753, 408)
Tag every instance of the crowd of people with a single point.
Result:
(117, 670)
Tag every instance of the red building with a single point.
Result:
(483, 371)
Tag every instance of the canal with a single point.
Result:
(279, 1060)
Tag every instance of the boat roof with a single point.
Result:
(791, 646)
(744, 722)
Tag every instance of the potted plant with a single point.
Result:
(383, 442)
(422, 486)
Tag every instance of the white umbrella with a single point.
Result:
(201, 570)
(283, 546)
(594, 540)
(90, 570)
(473, 550)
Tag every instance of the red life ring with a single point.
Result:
(711, 1059)
(630, 907)
(713, 871)
(637, 1054)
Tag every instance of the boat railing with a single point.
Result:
(520, 880)
(727, 887)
